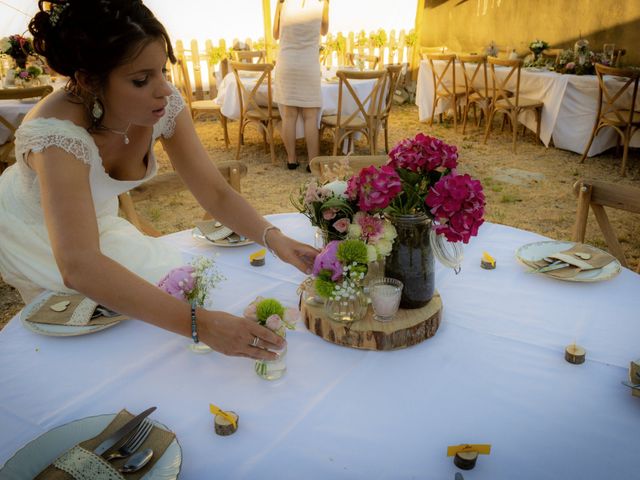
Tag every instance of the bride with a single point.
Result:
(82, 146)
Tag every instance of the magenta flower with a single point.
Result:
(327, 260)
(374, 188)
(341, 225)
(423, 154)
(457, 203)
(179, 282)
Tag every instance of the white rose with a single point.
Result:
(354, 231)
(384, 247)
(337, 187)
(372, 253)
(4, 44)
(389, 231)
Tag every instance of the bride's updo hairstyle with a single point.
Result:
(93, 36)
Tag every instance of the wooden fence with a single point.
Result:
(202, 63)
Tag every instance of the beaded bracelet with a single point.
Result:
(264, 238)
(194, 325)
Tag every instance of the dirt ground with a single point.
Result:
(540, 200)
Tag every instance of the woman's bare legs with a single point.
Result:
(311, 132)
(289, 118)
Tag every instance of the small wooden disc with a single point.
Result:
(223, 426)
(409, 327)
(575, 354)
(257, 262)
(465, 460)
(487, 265)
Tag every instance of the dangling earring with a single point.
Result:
(96, 110)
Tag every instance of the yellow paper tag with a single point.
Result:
(482, 449)
(488, 258)
(218, 411)
(257, 255)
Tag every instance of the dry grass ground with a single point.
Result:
(544, 203)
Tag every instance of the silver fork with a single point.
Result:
(134, 442)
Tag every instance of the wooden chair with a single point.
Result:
(365, 117)
(7, 149)
(623, 118)
(321, 166)
(597, 195)
(249, 56)
(370, 61)
(424, 51)
(169, 183)
(445, 88)
(552, 54)
(618, 53)
(511, 104)
(474, 69)
(394, 73)
(252, 108)
(199, 107)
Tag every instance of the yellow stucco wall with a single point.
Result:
(470, 25)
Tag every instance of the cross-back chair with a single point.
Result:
(618, 53)
(596, 195)
(507, 100)
(169, 183)
(249, 56)
(323, 165)
(365, 116)
(370, 61)
(477, 94)
(612, 112)
(256, 105)
(7, 149)
(445, 87)
(394, 72)
(199, 107)
(552, 54)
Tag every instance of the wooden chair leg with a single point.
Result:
(625, 151)
(514, 123)
(465, 115)
(386, 137)
(433, 112)
(225, 130)
(593, 135)
(492, 114)
(240, 142)
(582, 213)
(274, 160)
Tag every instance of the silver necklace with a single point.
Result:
(118, 132)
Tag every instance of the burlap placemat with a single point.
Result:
(81, 306)
(158, 440)
(598, 259)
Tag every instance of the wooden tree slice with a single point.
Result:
(223, 426)
(409, 327)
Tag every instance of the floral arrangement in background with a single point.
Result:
(27, 74)
(538, 46)
(340, 268)
(192, 283)
(420, 178)
(17, 47)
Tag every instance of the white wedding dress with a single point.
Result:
(26, 257)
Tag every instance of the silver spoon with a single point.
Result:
(137, 461)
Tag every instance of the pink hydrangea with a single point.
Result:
(327, 260)
(372, 227)
(423, 154)
(457, 203)
(179, 282)
(374, 188)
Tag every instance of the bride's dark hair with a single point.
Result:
(94, 36)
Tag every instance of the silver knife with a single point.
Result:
(123, 431)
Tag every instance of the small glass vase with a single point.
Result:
(273, 369)
(347, 310)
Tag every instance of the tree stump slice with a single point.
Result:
(409, 327)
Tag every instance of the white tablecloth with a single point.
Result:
(570, 105)
(494, 373)
(230, 103)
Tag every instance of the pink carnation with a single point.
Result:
(457, 203)
(327, 260)
(179, 282)
(374, 188)
(423, 154)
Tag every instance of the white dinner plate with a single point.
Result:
(196, 233)
(37, 454)
(532, 252)
(55, 330)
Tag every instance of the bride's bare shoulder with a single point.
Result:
(61, 105)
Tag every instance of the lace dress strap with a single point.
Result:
(167, 125)
(40, 133)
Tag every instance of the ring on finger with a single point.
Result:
(255, 341)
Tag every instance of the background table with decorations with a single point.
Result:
(570, 105)
(494, 373)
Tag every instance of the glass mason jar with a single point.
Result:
(273, 369)
(347, 310)
(411, 260)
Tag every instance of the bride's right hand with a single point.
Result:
(234, 336)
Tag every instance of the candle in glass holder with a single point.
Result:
(385, 296)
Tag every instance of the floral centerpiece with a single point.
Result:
(339, 271)
(537, 47)
(583, 63)
(18, 48)
(270, 313)
(192, 284)
(27, 75)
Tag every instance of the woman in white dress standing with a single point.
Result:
(298, 25)
(82, 146)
